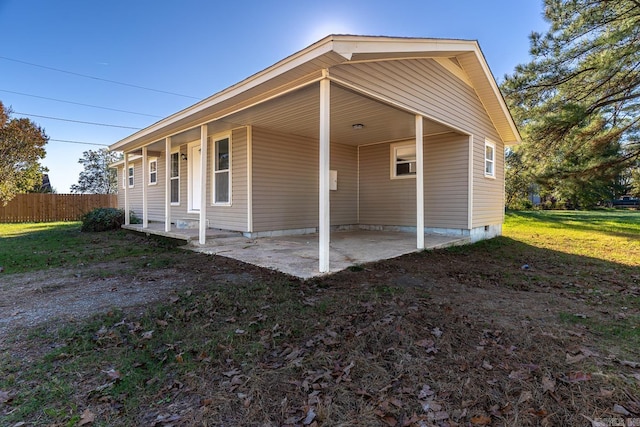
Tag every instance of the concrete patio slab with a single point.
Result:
(298, 255)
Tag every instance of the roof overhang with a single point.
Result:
(306, 67)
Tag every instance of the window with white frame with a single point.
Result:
(130, 176)
(222, 171)
(175, 178)
(153, 172)
(489, 159)
(403, 160)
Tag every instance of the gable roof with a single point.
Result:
(463, 58)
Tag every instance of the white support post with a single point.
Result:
(203, 184)
(324, 226)
(167, 184)
(145, 176)
(127, 220)
(419, 182)
(470, 186)
(249, 179)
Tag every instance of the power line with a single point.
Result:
(78, 103)
(77, 121)
(97, 78)
(78, 142)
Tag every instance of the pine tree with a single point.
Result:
(578, 101)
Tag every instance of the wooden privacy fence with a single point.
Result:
(42, 207)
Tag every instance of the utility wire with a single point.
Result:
(97, 78)
(77, 121)
(78, 142)
(78, 103)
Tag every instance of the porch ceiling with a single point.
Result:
(298, 113)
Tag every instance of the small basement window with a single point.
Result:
(403, 160)
(489, 159)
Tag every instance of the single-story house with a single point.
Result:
(353, 132)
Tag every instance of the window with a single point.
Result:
(153, 172)
(130, 175)
(175, 178)
(222, 172)
(403, 160)
(489, 159)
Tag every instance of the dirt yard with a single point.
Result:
(455, 337)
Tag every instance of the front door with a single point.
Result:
(194, 177)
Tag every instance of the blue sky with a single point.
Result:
(196, 48)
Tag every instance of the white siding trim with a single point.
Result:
(324, 226)
(249, 179)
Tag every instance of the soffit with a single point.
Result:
(298, 113)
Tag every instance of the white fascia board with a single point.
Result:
(496, 91)
(317, 49)
(348, 46)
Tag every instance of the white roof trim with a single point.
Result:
(346, 46)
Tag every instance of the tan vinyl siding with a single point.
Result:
(344, 202)
(423, 85)
(232, 217)
(446, 190)
(135, 193)
(155, 193)
(384, 201)
(488, 193)
(181, 211)
(285, 181)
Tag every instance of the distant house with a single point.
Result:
(353, 132)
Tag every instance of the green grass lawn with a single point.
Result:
(260, 348)
(610, 235)
(39, 246)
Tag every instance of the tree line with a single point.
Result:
(577, 105)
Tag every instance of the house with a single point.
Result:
(353, 132)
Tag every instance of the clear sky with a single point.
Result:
(197, 48)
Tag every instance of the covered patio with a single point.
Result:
(390, 139)
(298, 255)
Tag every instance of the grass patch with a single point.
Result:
(620, 333)
(610, 235)
(467, 330)
(39, 246)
